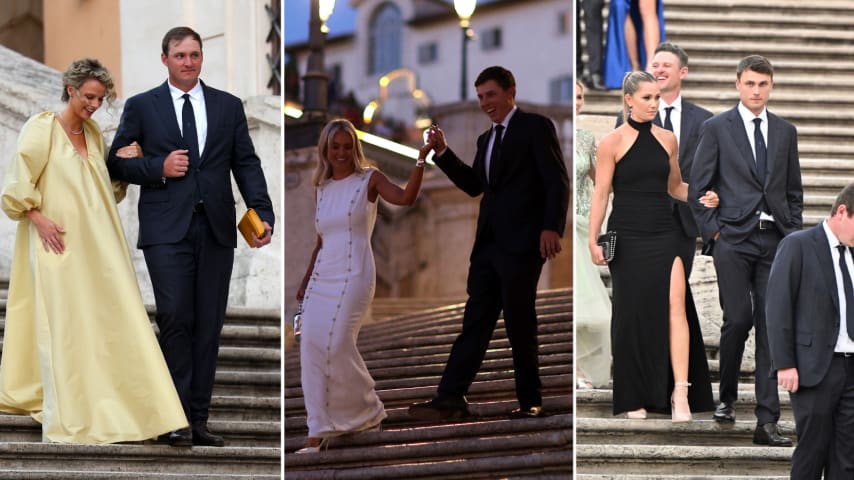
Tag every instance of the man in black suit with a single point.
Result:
(593, 26)
(669, 66)
(749, 156)
(810, 311)
(519, 170)
(193, 138)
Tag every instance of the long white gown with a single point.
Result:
(338, 390)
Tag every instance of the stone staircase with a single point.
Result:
(406, 357)
(246, 410)
(809, 44)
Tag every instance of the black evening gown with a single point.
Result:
(647, 236)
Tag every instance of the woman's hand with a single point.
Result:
(597, 254)
(710, 199)
(49, 232)
(130, 151)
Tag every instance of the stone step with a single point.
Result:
(65, 474)
(17, 428)
(683, 476)
(597, 403)
(658, 429)
(24, 457)
(699, 460)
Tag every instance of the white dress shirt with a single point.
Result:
(675, 115)
(197, 100)
(504, 123)
(843, 342)
(749, 127)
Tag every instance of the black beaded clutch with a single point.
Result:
(298, 324)
(608, 242)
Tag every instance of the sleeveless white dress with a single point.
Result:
(338, 390)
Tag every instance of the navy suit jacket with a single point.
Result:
(166, 207)
(530, 188)
(802, 306)
(724, 163)
(692, 118)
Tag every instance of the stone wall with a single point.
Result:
(28, 87)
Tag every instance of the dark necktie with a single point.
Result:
(188, 129)
(849, 290)
(761, 151)
(494, 154)
(667, 124)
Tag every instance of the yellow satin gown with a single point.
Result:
(79, 353)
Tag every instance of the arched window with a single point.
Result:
(384, 55)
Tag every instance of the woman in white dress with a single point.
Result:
(339, 285)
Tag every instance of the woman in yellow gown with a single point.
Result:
(79, 353)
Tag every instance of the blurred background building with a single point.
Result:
(242, 55)
(393, 67)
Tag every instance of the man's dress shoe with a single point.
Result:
(725, 413)
(768, 435)
(530, 412)
(204, 438)
(181, 438)
(439, 408)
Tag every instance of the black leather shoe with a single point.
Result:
(181, 438)
(768, 435)
(204, 438)
(531, 412)
(440, 408)
(725, 413)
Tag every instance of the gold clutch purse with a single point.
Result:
(249, 224)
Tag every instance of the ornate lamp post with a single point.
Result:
(316, 100)
(465, 9)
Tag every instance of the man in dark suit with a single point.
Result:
(593, 26)
(810, 311)
(669, 66)
(193, 138)
(749, 156)
(519, 170)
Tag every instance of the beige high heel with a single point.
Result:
(679, 417)
(639, 414)
(323, 445)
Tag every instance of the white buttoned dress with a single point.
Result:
(337, 387)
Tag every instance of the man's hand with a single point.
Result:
(549, 244)
(788, 379)
(268, 236)
(176, 164)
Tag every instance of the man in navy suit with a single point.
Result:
(810, 311)
(519, 171)
(749, 156)
(193, 138)
(669, 66)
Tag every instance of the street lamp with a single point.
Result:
(465, 9)
(316, 79)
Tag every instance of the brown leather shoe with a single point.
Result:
(203, 437)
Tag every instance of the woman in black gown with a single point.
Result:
(656, 340)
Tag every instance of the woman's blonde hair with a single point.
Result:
(324, 169)
(631, 83)
(81, 70)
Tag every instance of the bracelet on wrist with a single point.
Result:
(420, 162)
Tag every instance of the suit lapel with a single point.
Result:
(166, 110)
(772, 144)
(687, 127)
(480, 159)
(213, 109)
(742, 143)
(506, 139)
(825, 262)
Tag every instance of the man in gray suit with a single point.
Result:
(749, 156)
(669, 66)
(810, 310)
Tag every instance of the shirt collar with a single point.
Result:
(831, 237)
(506, 120)
(677, 105)
(195, 92)
(748, 116)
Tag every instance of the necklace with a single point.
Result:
(73, 132)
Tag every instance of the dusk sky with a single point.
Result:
(343, 20)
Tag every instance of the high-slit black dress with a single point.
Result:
(647, 235)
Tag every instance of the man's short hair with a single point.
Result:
(178, 34)
(675, 50)
(501, 75)
(757, 63)
(845, 197)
